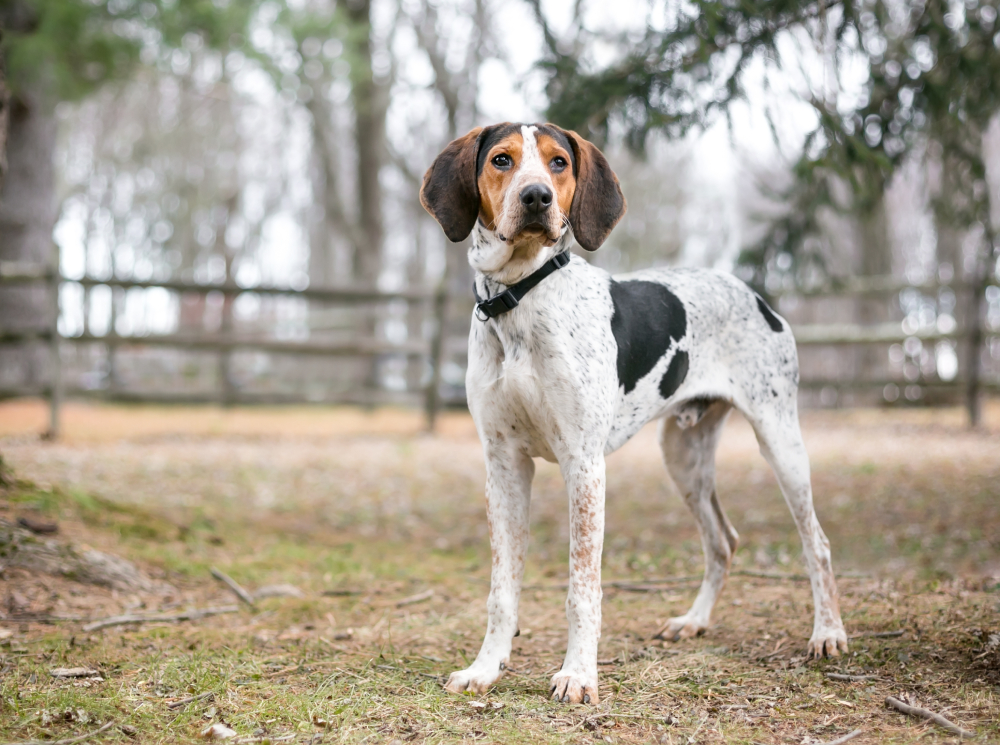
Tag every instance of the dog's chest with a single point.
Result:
(515, 387)
(545, 373)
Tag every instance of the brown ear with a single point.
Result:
(450, 192)
(598, 203)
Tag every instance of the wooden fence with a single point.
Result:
(972, 335)
(224, 343)
(432, 350)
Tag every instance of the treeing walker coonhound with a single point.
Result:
(567, 363)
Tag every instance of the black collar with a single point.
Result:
(509, 298)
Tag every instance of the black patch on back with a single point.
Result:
(647, 319)
(677, 370)
(772, 320)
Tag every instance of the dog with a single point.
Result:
(567, 363)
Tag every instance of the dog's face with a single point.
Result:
(525, 186)
(526, 183)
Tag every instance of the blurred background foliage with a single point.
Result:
(282, 142)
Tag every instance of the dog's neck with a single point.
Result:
(498, 264)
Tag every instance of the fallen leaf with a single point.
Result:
(278, 591)
(6, 633)
(218, 731)
(73, 672)
(41, 527)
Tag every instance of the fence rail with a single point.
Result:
(434, 349)
(224, 344)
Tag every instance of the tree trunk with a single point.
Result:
(371, 99)
(875, 260)
(27, 218)
(4, 115)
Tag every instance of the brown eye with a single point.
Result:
(502, 162)
(558, 163)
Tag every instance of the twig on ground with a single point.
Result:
(850, 678)
(189, 700)
(107, 725)
(879, 634)
(339, 593)
(413, 599)
(191, 615)
(629, 587)
(42, 618)
(845, 738)
(792, 577)
(769, 575)
(234, 586)
(649, 585)
(411, 672)
(265, 738)
(916, 711)
(595, 718)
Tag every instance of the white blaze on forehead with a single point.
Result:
(531, 169)
(531, 160)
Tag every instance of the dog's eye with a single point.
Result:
(558, 163)
(502, 161)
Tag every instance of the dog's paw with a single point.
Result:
(828, 642)
(473, 679)
(574, 688)
(681, 627)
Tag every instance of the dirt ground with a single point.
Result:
(381, 529)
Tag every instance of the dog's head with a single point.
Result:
(526, 185)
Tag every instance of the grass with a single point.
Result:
(379, 513)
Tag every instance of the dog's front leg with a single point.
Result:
(577, 681)
(508, 494)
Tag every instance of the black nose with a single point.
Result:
(536, 198)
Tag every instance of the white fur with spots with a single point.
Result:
(542, 382)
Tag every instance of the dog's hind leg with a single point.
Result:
(781, 444)
(689, 453)
(508, 495)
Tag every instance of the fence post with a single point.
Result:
(111, 343)
(227, 391)
(977, 296)
(433, 401)
(55, 358)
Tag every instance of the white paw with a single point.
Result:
(476, 679)
(828, 642)
(574, 688)
(681, 627)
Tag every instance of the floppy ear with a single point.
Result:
(450, 192)
(598, 203)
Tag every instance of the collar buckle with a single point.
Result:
(511, 297)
